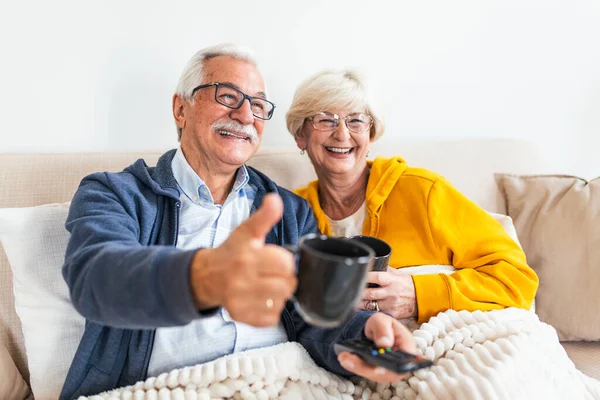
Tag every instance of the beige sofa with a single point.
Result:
(36, 179)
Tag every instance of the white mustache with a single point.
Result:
(230, 125)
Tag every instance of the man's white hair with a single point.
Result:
(331, 89)
(193, 73)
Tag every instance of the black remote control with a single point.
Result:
(397, 361)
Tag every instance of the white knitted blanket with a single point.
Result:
(505, 354)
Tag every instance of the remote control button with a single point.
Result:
(388, 350)
(374, 352)
(381, 351)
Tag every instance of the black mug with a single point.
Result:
(332, 273)
(383, 253)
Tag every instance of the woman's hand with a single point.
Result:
(395, 296)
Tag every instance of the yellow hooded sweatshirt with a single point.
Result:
(427, 221)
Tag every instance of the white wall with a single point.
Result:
(98, 76)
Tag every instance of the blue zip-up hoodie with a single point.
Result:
(126, 277)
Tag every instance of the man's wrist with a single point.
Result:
(201, 281)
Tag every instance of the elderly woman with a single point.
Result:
(419, 213)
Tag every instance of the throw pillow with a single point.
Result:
(12, 385)
(35, 242)
(558, 222)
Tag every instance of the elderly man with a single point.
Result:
(182, 263)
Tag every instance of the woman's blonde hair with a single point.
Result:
(331, 89)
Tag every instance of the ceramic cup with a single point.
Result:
(332, 273)
(383, 252)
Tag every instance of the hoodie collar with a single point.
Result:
(160, 178)
(384, 176)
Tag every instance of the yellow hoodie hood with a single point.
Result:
(384, 175)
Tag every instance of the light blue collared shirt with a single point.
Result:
(204, 224)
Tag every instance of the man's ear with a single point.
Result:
(179, 110)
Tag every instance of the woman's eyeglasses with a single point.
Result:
(328, 122)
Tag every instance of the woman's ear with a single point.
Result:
(300, 138)
(372, 134)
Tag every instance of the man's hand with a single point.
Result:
(384, 331)
(395, 296)
(250, 279)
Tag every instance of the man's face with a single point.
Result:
(213, 134)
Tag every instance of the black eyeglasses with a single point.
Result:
(231, 97)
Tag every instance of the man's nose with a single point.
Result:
(244, 113)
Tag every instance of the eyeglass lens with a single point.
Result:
(355, 122)
(233, 98)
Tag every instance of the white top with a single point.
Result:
(350, 226)
(204, 224)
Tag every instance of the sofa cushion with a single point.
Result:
(35, 241)
(558, 222)
(586, 356)
(286, 167)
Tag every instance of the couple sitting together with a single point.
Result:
(183, 263)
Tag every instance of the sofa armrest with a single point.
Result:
(12, 384)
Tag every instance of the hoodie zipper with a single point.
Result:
(144, 374)
(176, 230)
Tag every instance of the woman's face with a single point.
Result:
(337, 150)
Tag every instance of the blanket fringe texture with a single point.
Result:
(502, 354)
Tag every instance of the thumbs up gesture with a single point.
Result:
(250, 279)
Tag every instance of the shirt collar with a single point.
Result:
(193, 186)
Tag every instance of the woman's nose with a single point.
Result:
(341, 132)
